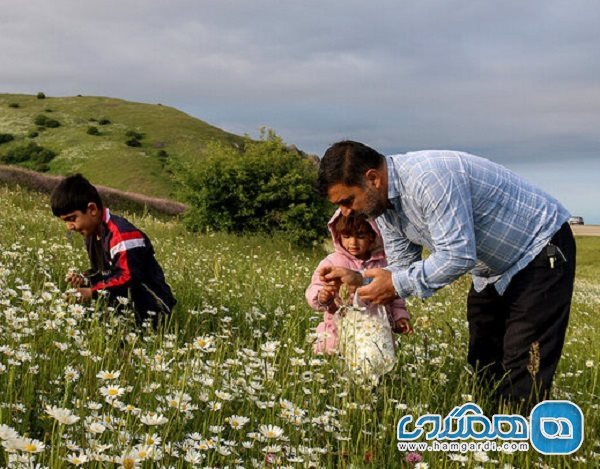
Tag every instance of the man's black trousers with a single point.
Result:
(516, 339)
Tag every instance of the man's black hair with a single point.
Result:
(74, 193)
(346, 162)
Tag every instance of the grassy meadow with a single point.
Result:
(183, 137)
(232, 381)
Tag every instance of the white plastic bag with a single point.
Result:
(366, 341)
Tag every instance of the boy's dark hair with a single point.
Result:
(346, 162)
(354, 225)
(73, 193)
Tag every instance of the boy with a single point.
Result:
(121, 256)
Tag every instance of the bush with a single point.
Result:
(14, 105)
(42, 120)
(51, 123)
(93, 130)
(31, 155)
(134, 134)
(262, 188)
(32, 134)
(133, 142)
(41, 95)
(104, 121)
(5, 138)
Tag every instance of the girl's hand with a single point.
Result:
(402, 326)
(326, 295)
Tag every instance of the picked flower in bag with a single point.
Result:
(366, 341)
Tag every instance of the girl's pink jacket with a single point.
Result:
(326, 330)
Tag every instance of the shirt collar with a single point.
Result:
(392, 178)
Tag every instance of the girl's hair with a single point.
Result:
(354, 225)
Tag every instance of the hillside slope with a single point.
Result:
(105, 158)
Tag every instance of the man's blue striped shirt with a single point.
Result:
(470, 213)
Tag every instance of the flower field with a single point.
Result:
(232, 381)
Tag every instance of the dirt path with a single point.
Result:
(586, 230)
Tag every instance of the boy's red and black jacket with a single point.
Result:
(123, 264)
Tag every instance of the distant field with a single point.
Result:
(586, 230)
(105, 158)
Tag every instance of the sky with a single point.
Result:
(516, 82)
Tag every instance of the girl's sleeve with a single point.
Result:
(398, 310)
(312, 292)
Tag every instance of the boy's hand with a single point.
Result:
(75, 279)
(336, 275)
(86, 293)
(402, 326)
(381, 290)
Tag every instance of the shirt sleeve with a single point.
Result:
(445, 200)
(399, 251)
(124, 260)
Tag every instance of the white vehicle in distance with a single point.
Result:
(576, 221)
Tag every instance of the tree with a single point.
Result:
(263, 187)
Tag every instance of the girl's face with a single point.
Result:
(359, 245)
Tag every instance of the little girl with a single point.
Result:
(358, 246)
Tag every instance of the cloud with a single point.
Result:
(511, 80)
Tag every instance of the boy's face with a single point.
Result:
(86, 222)
(359, 245)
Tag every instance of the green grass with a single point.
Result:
(106, 159)
(245, 295)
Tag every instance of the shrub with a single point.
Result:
(134, 134)
(32, 134)
(41, 95)
(262, 188)
(5, 138)
(51, 123)
(133, 142)
(104, 121)
(48, 110)
(42, 120)
(93, 130)
(14, 105)
(31, 155)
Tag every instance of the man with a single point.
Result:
(473, 216)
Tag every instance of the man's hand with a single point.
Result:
(381, 290)
(402, 326)
(332, 275)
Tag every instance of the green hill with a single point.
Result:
(105, 158)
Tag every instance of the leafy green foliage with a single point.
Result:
(93, 130)
(264, 187)
(41, 95)
(4, 138)
(104, 121)
(14, 105)
(133, 142)
(44, 121)
(31, 155)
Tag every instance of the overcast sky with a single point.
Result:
(515, 81)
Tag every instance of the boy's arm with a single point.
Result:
(126, 252)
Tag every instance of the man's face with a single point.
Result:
(85, 223)
(358, 200)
